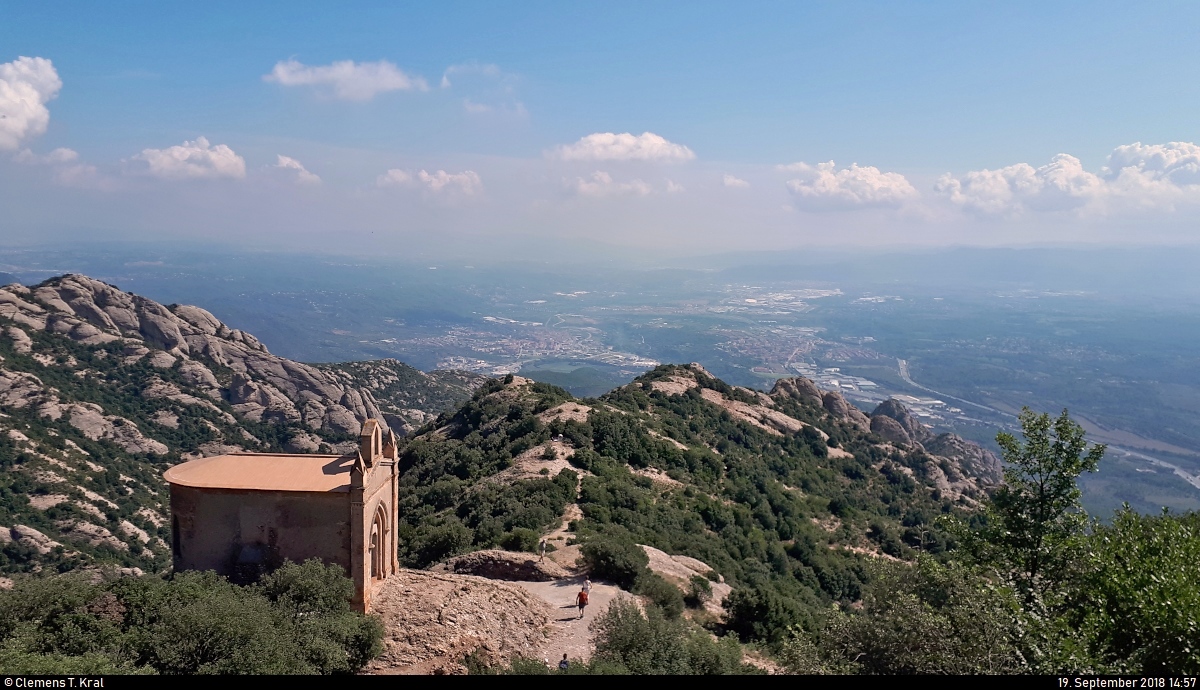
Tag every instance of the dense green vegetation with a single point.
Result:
(771, 513)
(446, 507)
(1036, 589)
(295, 621)
(629, 641)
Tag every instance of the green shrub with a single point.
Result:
(652, 643)
(520, 539)
(922, 619)
(617, 560)
(297, 620)
(664, 594)
(439, 543)
(699, 592)
(759, 613)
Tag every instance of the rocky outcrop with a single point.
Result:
(890, 430)
(679, 571)
(87, 533)
(28, 537)
(433, 620)
(798, 388)
(21, 341)
(91, 420)
(975, 460)
(194, 342)
(956, 466)
(911, 430)
(839, 408)
(503, 565)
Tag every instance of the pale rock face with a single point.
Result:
(49, 298)
(28, 536)
(974, 459)
(89, 418)
(86, 532)
(164, 418)
(162, 360)
(340, 419)
(798, 388)
(891, 430)
(19, 389)
(837, 406)
(302, 443)
(21, 341)
(956, 466)
(270, 387)
(913, 428)
(201, 319)
(197, 374)
(159, 328)
(132, 530)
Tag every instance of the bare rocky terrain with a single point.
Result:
(433, 620)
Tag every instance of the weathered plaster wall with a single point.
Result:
(213, 524)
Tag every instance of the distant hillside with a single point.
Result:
(407, 397)
(101, 390)
(787, 495)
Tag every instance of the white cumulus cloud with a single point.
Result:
(26, 85)
(303, 176)
(1178, 161)
(346, 79)
(601, 184)
(1060, 185)
(606, 146)
(193, 160)
(394, 178)
(467, 182)
(825, 186)
(735, 182)
(67, 169)
(1154, 175)
(1136, 175)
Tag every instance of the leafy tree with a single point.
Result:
(917, 619)
(1141, 601)
(1035, 521)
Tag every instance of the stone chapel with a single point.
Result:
(244, 514)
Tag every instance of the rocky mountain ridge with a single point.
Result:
(786, 496)
(101, 389)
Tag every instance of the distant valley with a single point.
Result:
(963, 347)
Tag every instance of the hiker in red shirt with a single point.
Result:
(582, 600)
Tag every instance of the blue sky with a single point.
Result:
(170, 120)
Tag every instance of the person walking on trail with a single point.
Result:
(564, 664)
(542, 549)
(582, 600)
(587, 585)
